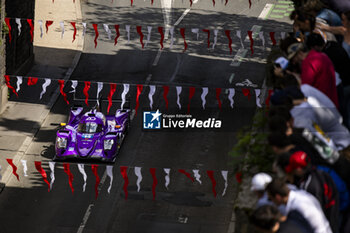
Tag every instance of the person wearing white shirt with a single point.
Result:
(299, 200)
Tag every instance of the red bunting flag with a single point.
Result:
(139, 31)
(86, 91)
(30, 22)
(48, 24)
(250, 3)
(182, 31)
(213, 3)
(165, 94)
(160, 30)
(186, 174)
(226, 2)
(192, 91)
(96, 33)
(7, 21)
(118, 34)
(227, 32)
(112, 88)
(61, 83)
(14, 168)
(267, 102)
(239, 177)
(250, 35)
(66, 169)
(218, 92)
(151, 2)
(191, 2)
(155, 181)
(208, 32)
(126, 180)
(32, 81)
(132, 2)
(246, 92)
(139, 90)
(7, 81)
(42, 172)
(213, 181)
(97, 182)
(272, 37)
(75, 30)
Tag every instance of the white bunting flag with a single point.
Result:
(52, 174)
(149, 29)
(171, 37)
(139, 177)
(25, 168)
(283, 35)
(74, 85)
(125, 91)
(0, 171)
(197, 175)
(224, 175)
(18, 21)
(127, 28)
(109, 170)
(107, 30)
(262, 38)
(167, 177)
(152, 90)
(41, 28)
(204, 94)
(84, 28)
(19, 82)
(62, 29)
(195, 31)
(178, 92)
(215, 37)
(257, 94)
(45, 85)
(230, 96)
(82, 171)
(99, 89)
(239, 35)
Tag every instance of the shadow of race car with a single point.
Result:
(91, 135)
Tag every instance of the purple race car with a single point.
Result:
(91, 135)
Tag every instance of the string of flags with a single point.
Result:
(126, 88)
(107, 28)
(193, 175)
(190, 2)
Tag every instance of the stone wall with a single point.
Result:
(19, 53)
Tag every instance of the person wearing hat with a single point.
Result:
(299, 200)
(258, 185)
(316, 69)
(319, 183)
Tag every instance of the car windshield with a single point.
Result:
(89, 127)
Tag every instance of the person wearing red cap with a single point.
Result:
(317, 182)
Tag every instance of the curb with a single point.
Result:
(232, 224)
(29, 139)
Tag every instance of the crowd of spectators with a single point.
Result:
(309, 120)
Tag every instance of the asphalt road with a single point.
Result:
(185, 206)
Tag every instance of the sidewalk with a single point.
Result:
(54, 58)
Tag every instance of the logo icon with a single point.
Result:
(151, 120)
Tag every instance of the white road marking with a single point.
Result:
(182, 17)
(265, 11)
(86, 217)
(241, 53)
(88, 211)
